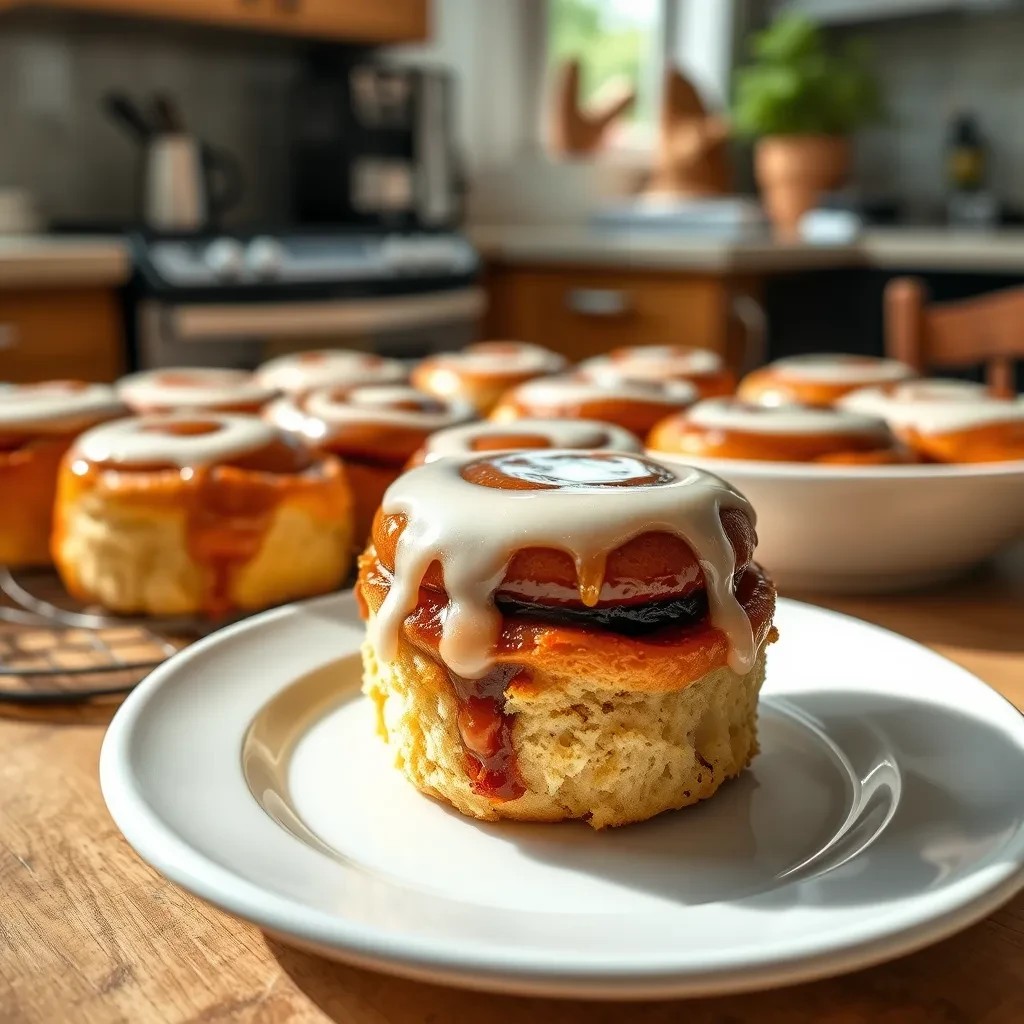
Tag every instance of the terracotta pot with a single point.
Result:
(794, 170)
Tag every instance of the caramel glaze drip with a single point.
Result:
(229, 504)
(607, 596)
(527, 627)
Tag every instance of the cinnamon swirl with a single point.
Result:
(564, 634)
(189, 514)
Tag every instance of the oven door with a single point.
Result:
(245, 334)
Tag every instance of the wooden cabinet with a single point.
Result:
(379, 21)
(582, 312)
(67, 333)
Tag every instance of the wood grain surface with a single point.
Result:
(89, 933)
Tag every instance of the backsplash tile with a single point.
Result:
(57, 142)
(931, 67)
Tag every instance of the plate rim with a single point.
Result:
(158, 844)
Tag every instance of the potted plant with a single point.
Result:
(801, 101)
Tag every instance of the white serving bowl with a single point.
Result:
(875, 529)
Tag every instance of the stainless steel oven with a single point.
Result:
(237, 301)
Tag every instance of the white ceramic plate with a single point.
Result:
(884, 812)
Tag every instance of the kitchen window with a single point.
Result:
(616, 41)
(634, 40)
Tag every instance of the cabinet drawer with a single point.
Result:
(582, 313)
(60, 334)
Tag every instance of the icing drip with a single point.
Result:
(530, 433)
(586, 504)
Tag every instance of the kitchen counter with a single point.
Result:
(43, 261)
(921, 249)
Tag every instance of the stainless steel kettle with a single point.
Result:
(187, 185)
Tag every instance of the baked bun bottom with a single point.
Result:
(586, 747)
(136, 559)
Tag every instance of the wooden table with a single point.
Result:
(89, 933)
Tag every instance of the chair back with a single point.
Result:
(987, 330)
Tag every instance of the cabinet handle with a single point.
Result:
(8, 337)
(598, 302)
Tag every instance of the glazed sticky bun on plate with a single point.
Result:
(565, 634)
(199, 515)
(38, 422)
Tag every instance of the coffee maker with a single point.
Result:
(372, 147)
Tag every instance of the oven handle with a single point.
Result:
(313, 319)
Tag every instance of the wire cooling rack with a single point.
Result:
(54, 651)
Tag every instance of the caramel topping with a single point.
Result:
(585, 505)
(566, 471)
(500, 442)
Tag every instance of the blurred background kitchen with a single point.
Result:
(187, 182)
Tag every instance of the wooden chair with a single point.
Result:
(986, 330)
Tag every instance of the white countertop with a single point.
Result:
(43, 261)
(920, 249)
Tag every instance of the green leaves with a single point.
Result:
(797, 87)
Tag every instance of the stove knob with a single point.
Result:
(265, 257)
(225, 257)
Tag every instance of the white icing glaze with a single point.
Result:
(577, 434)
(560, 392)
(499, 359)
(140, 441)
(57, 406)
(302, 371)
(377, 404)
(652, 362)
(731, 414)
(935, 406)
(473, 531)
(192, 388)
(831, 368)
